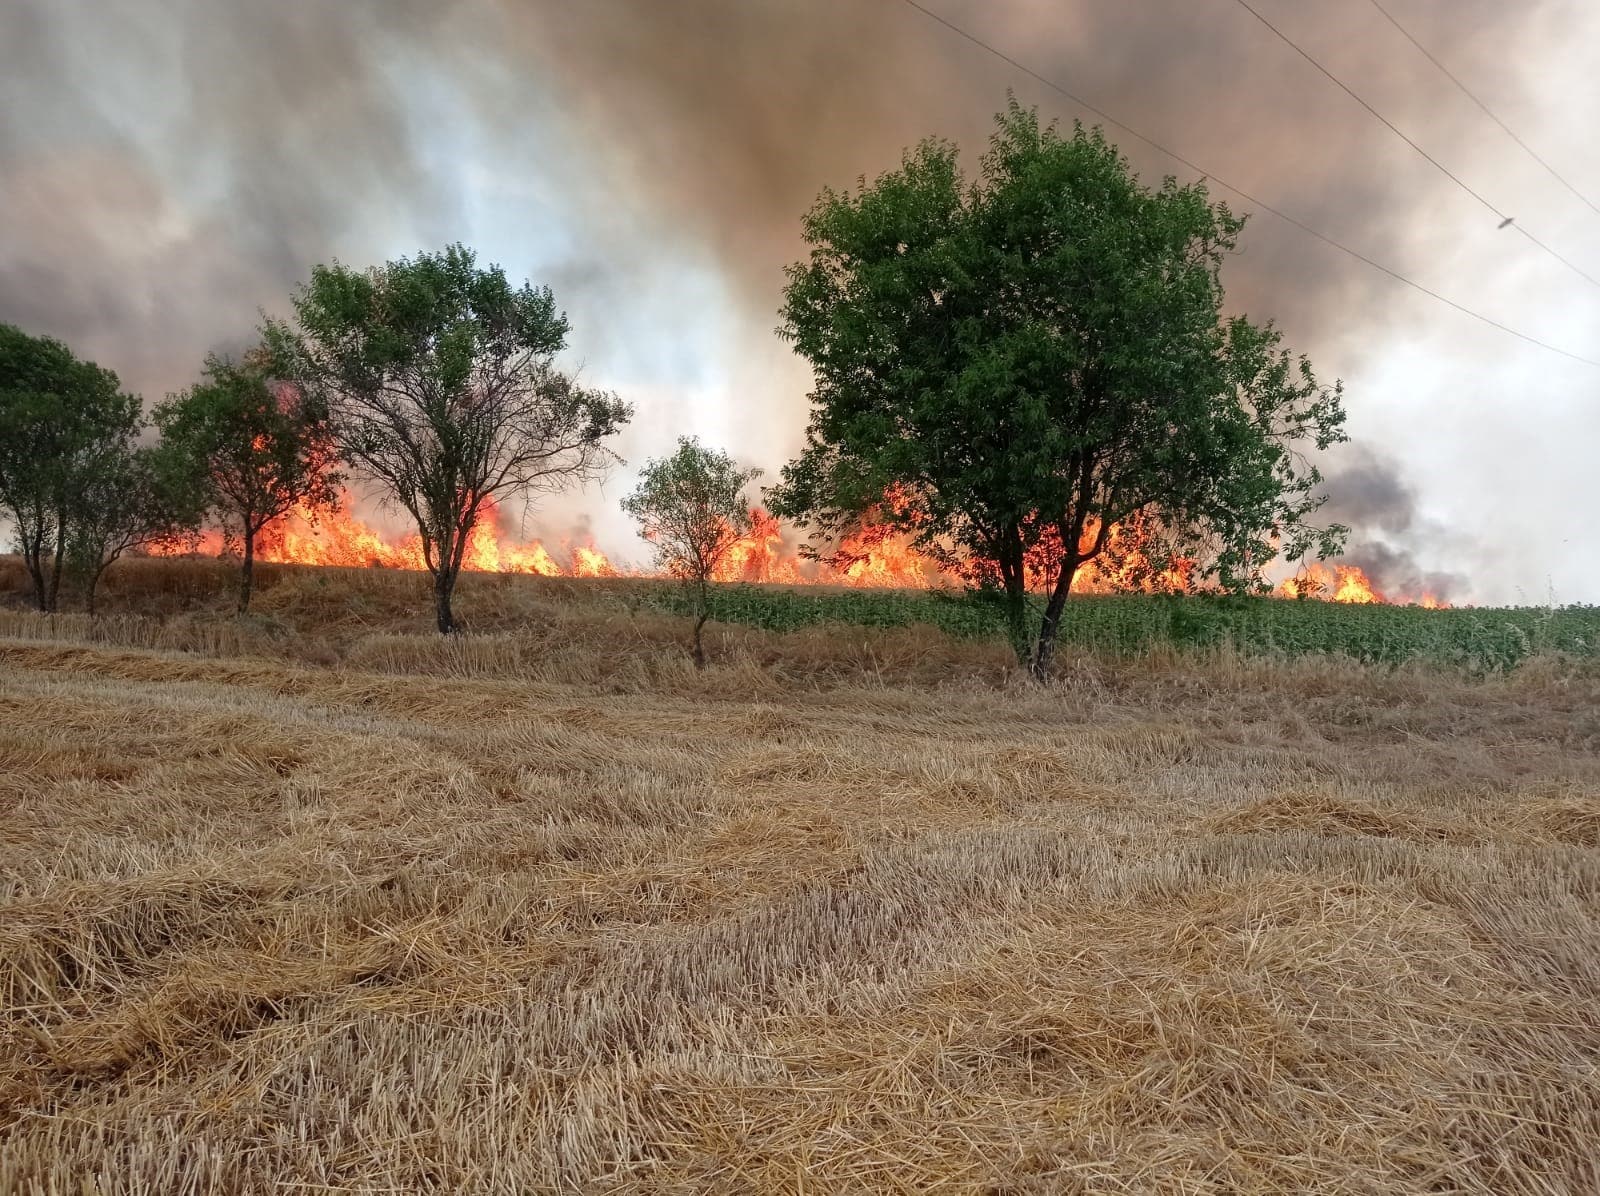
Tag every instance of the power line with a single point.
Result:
(1467, 91)
(1240, 192)
(1502, 217)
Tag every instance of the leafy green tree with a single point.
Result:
(132, 496)
(58, 415)
(691, 507)
(1029, 359)
(260, 446)
(443, 389)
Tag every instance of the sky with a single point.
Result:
(171, 170)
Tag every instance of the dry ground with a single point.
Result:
(310, 903)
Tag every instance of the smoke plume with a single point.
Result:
(167, 171)
(1368, 494)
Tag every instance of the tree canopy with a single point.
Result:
(132, 496)
(441, 382)
(259, 446)
(1031, 358)
(691, 507)
(59, 417)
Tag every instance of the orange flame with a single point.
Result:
(758, 555)
(874, 555)
(308, 537)
(1347, 583)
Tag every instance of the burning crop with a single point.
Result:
(1337, 582)
(875, 555)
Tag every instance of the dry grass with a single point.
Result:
(311, 902)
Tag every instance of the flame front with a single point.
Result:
(1348, 583)
(873, 556)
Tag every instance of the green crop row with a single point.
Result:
(1479, 638)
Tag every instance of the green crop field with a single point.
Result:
(1478, 638)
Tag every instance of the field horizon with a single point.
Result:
(185, 601)
(319, 900)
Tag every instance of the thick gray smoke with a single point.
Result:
(167, 170)
(1368, 493)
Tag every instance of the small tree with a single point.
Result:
(261, 447)
(1031, 359)
(691, 508)
(58, 418)
(442, 386)
(132, 496)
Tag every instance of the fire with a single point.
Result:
(306, 537)
(1131, 561)
(758, 555)
(1347, 583)
(591, 562)
(873, 555)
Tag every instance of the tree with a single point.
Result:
(131, 496)
(58, 415)
(691, 507)
(441, 383)
(260, 446)
(1029, 360)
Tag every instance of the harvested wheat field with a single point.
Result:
(312, 903)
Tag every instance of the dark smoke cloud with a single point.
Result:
(733, 114)
(1368, 493)
(167, 170)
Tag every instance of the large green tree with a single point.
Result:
(260, 446)
(1026, 360)
(441, 380)
(691, 507)
(59, 417)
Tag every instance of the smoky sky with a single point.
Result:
(1368, 493)
(169, 170)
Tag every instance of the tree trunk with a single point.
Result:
(1014, 580)
(1044, 651)
(33, 561)
(444, 584)
(702, 612)
(54, 594)
(1017, 618)
(247, 569)
(36, 574)
(91, 588)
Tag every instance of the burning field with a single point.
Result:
(870, 558)
(319, 904)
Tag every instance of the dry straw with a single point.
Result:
(312, 903)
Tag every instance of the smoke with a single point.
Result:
(1367, 493)
(164, 177)
(168, 171)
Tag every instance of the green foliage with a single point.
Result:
(692, 509)
(132, 496)
(1475, 638)
(257, 446)
(1038, 355)
(442, 386)
(61, 420)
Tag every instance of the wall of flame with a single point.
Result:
(871, 557)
